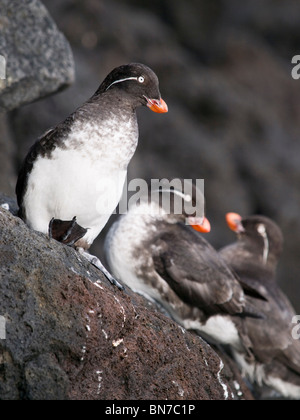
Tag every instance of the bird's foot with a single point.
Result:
(98, 264)
(67, 232)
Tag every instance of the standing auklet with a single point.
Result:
(254, 257)
(72, 178)
(156, 254)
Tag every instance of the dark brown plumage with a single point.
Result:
(155, 253)
(194, 270)
(254, 257)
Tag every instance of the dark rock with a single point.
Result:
(38, 58)
(8, 203)
(70, 335)
(7, 157)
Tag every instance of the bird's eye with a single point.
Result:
(141, 79)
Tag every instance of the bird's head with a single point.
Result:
(138, 82)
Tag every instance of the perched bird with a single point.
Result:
(72, 178)
(276, 354)
(159, 255)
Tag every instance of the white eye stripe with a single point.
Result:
(261, 229)
(140, 79)
(122, 80)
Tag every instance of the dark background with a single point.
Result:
(225, 71)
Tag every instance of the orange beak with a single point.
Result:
(205, 227)
(234, 222)
(158, 106)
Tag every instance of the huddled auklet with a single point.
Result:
(72, 178)
(275, 360)
(159, 255)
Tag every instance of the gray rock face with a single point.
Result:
(7, 158)
(70, 335)
(36, 59)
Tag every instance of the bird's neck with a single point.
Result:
(253, 262)
(114, 101)
(104, 132)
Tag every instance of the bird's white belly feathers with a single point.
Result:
(84, 177)
(69, 185)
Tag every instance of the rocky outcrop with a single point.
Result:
(8, 153)
(71, 335)
(37, 57)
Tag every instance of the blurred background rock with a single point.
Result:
(225, 71)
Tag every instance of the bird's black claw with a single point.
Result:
(115, 282)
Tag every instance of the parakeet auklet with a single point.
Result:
(158, 255)
(276, 354)
(72, 178)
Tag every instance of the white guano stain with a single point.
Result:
(83, 351)
(237, 387)
(116, 343)
(225, 387)
(97, 284)
(105, 334)
(100, 380)
(122, 311)
(180, 389)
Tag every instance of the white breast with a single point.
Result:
(266, 375)
(218, 329)
(84, 178)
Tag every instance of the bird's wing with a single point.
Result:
(272, 338)
(197, 275)
(43, 146)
